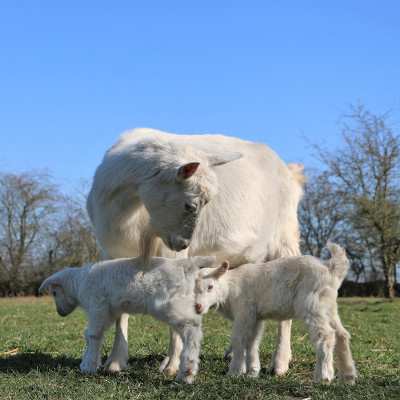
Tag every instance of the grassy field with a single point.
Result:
(40, 355)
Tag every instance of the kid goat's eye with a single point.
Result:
(210, 287)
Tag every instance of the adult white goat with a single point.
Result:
(153, 185)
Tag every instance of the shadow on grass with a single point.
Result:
(42, 362)
(25, 362)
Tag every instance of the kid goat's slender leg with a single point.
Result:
(253, 350)
(118, 359)
(323, 338)
(191, 335)
(94, 335)
(283, 353)
(170, 364)
(242, 331)
(345, 363)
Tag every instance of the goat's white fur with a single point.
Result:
(137, 198)
(299, 287)
(108, 290)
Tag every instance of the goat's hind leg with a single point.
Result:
(323, 338)
(283, 353)
(170, 364)
(345, 363)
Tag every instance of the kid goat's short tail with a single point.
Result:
(338, 264)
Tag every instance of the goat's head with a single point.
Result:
(60, 286)
(207, 293)
(175, 196)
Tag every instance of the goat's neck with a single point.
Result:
(223, 289)
(75, 283)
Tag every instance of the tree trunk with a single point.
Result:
(390, 291)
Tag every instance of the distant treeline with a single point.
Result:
(41, 230)
(366, 289)
(354, 200)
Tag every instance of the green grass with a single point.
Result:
(40, 355)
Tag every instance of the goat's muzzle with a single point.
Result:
(198, 307)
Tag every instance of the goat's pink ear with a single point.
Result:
(186, 171)
(221, 270)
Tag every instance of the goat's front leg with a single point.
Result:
(118, 359)
(191, 335)
(170, 365)
(94, 335)
(240, 341)
(253, 364)
(283, 353)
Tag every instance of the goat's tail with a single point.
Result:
(338, 264)
(297, 171)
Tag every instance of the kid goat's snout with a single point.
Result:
(198, 307)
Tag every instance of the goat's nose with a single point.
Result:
(179, 243)
(183, 244)
(198, 307)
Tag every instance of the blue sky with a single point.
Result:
(74, 75)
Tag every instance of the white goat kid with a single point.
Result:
(154, 185)
(108, 289)
(300, 287)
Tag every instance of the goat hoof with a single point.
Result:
(280, 364)
(88, 368)
(236, 372)
(115, 366)
(279, 371)
(228, 354)
(253, 374)
(163, 364)
(188, 379)
(348, 379)
(170, 371)
(279, 368)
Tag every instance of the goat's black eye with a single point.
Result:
(210, 287)
(191, 207)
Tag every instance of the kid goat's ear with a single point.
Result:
(50, 281)
(220, 270)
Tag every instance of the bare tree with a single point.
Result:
(319, 213)
(27, 202)
(365, 174)
(322, 218)
(73, 242)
